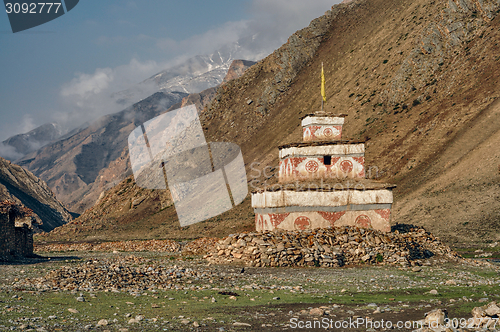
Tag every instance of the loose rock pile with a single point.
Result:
(148, 245)
(114, 275)
(329, 247)
(483, 319)
(200, 246)
(486, 316)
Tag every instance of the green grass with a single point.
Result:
(197, 303)
(320, 287)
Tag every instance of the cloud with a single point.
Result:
(207, 42)
(84, 85)
(107, 79)
(89, 96)
(271, 22)
(288, 14)
(27, 124)
(9, 152)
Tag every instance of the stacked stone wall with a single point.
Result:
(14, 241)
(7, 235)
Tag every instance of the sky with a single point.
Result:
(101, 47)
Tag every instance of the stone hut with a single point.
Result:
(322, 183)
(16, 231)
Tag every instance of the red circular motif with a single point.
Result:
(328, 132)
(346, 166)
(363, 221)
(312, 166)
(302, 223)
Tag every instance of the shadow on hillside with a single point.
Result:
(36, 259)
(404, 228)
(415, 249)
(74, 214)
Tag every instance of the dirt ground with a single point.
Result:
(267, 299)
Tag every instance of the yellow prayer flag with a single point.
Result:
(323, 83)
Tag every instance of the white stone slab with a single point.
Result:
(320, 120)
(323, 150)
(283, 198)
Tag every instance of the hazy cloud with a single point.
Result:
(88, 96)
(27, 124)
(271, 23)
(207, 42)
(9, 152)
(84, 85)
(276, 20)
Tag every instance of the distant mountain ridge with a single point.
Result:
(193, 75)
(23, 144)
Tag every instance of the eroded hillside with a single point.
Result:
(26, 190)
(419, 81)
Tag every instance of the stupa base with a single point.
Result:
(378, 219)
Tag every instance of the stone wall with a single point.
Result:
(330, 247)
(16, 232)
(23, 241)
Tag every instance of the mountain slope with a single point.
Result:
(419, 81)
(21, 186)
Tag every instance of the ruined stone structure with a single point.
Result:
(16, 231)
(322, 183)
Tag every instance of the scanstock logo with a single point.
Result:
(204, 179)
(25, 15)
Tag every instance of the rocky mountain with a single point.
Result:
(419, 81)
(192, 76)
(20, 145)
(237, 68)
(195, 74)
(22, 187)
(201, 72)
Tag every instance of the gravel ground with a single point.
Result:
(151, 291)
